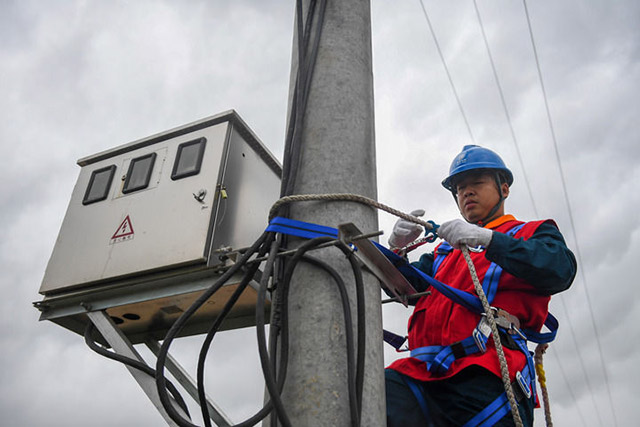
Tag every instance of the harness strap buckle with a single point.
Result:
(481, 334)
(506, 320)
(517, 331)
(523, 385)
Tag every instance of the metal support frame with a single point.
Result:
(121, 345)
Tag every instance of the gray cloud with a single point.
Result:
(82, 77)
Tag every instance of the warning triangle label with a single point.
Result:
(124, 231)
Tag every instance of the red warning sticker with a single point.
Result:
(124, 231)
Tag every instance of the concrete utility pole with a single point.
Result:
(338, 156)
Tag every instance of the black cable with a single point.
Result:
(276, 326)
(361, 320)
(346, 308)
(268, 364)
(292, 154)
(268, 407)
(296, 113)
(136, 364)
(306, 63)
(313, 56)
(275, 387)
(284, 292)
(272, 386)
(214, 328)
(179, 324)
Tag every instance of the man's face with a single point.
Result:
(477, 194)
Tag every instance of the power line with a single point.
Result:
(504, 107)
(564, 377)
(582, 364)
(523, 168)
(515, 141)
(446, 69)
(573, 228)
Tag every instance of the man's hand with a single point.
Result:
(405, 232)
(458, 232)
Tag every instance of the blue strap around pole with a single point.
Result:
(302, 229)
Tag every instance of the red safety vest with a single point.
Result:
(437, 320)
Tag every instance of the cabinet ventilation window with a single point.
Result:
(99, 185)
(188, 159)
(139, 173)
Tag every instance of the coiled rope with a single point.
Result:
(504, 369)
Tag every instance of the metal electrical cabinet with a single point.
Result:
(150, 224)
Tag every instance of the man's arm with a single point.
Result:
(424, 264)
(544, 260)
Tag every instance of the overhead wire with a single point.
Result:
(570, 210)
(530, 192)
(446, 69)
(566, 380)
(508, 117)
(585, 372)
(504, 107)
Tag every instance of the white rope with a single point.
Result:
(504, 369)
(346, 197)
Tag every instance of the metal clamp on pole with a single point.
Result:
(377, 263)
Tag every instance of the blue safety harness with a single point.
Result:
(438, 359)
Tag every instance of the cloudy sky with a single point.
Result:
(79, 77)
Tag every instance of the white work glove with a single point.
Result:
(405, 232)
(458, 232)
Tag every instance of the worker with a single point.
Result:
(453, 377)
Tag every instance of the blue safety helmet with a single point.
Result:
(473, 157)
